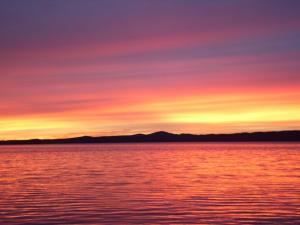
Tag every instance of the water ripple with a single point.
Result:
(150, 184)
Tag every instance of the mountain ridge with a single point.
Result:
(163, 136)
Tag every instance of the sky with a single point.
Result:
(111, 67)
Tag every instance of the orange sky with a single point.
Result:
(106, 68)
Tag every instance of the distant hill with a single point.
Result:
(161, 136)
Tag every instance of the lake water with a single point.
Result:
(230, 183)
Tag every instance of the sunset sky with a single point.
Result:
(110, 67)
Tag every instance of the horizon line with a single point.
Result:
(146, 134)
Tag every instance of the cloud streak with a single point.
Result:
(107, 67)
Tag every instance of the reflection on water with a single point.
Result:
(150, 184)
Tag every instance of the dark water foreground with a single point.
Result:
(235, 183)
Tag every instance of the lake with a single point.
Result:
(182, 183)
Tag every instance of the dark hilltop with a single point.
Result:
(161, 136)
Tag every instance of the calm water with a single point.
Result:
(150, 184)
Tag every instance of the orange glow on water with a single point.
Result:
(175, 182)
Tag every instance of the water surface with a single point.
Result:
(230, 183)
